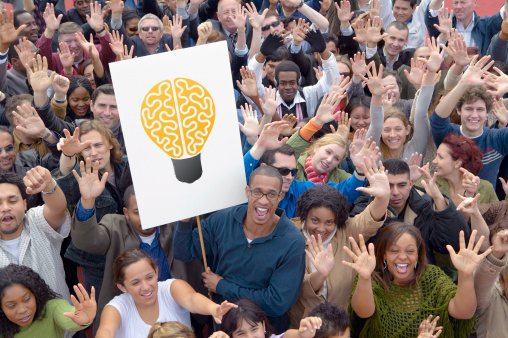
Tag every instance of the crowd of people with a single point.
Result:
(374, 136)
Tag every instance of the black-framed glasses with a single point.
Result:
(286, 171)
(271, 196)
(7, 149)
(273, 24)
(153, 28)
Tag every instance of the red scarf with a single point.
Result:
(312, 175)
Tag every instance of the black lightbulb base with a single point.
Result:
(188, 170)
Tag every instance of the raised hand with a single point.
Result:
(467, 259)
(166, 25)
(116, 44)
(316, 41)
(66, 58)
(427, 328)
(240, 18)
(358, 64)
(387, 100)
(360, 28)
(504, 184)
(445, 21)
(375, 9)
(24, 51)
(38, 179)
(309, 326)
(500, 112)
(326, 111)
(358, 139)
(70, 145)
(61, 85)
(374, 30)
(29, 122)
(8, 33)
(38, 76)
(86, 306)
(500, 83)
(291, 121)
(374, 82)
(204, 31)
(470, 182)
(269, 104)
(474, 74)
(379, 186)
(344, 12)
(269, 137)
(52, 22)
(458, 49)
(95, 19)
(222, 309)
(364, 262)
(414, 163)
(322, 261)
(436, 57)
(500, 243)
(298, 32)
(469, 205)
(116, 7)
(429, 183)
(176, 27)
(368, 150)
(248, 86)
(250, 124)
(340, 87)
(343, 126)
(317, 70)
(415, 77)
(82, 41)
(90, 186)
(255, 19)
(272, 42)
(325, 5)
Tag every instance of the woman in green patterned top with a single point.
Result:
(29, 308)
(395, 289)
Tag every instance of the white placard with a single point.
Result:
(171, 104)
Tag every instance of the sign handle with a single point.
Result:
(203, 249)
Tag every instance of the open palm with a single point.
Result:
(467, 259)
(364, 262)
(322, 261)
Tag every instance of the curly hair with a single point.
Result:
(465, 150)
(474, 94)
(324, 196)
(335, 320)
(19, 274)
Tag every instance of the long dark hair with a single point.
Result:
(18, 274)
(388, 235)
(247, 310)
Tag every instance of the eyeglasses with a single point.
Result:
(271, 196)
(154, 28)
(273, 24)
(286, 171)
(7, 149)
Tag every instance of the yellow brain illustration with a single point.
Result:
(178, 116)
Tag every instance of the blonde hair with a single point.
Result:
(397, 113)
(171, 330)
(330, 138)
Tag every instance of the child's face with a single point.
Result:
(250, 330)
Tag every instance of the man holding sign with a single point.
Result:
(255, 250)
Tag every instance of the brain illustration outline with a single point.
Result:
(178, 116)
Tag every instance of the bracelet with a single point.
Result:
(88, 323)
(47, 135)
(102, 30)
(300, 5)
(69, 156)
(359, 174)
(52, 190)
(58, 101)
(464, 193)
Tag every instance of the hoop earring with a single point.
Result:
(416, 265)
(385, 265)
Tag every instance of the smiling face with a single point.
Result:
(400, 188)
(287, 85)
(226, 12)
(320, 221)
(464, 9)
(261, 211)
(327, 157)
(72, 42)
(18, 304)
(8, 152)
(395, 91)
(394, 133)
(270, 69)
(360, 118)
(249, 330)
(445, 165)
(401, 259)
(472, 117)
(82, 7)
(140, 281)
(395, 41)
(31, 30)
(88, 73)
(99, 151)
(105, 110)
(79, 101)
(131, 27)
(402, 10)
(274, 26)
(154, 35)
(285, 161)
(12, 211)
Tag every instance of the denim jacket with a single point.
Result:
(107, 203)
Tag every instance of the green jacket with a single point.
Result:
(486, 190)
(299, 144)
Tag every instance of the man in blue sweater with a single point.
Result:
(473, 103)
(254, 250)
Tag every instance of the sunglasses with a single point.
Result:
(7, 149)
(286, 171)
(273, 24)
(154, 28)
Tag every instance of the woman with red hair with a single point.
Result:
(457, 162)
